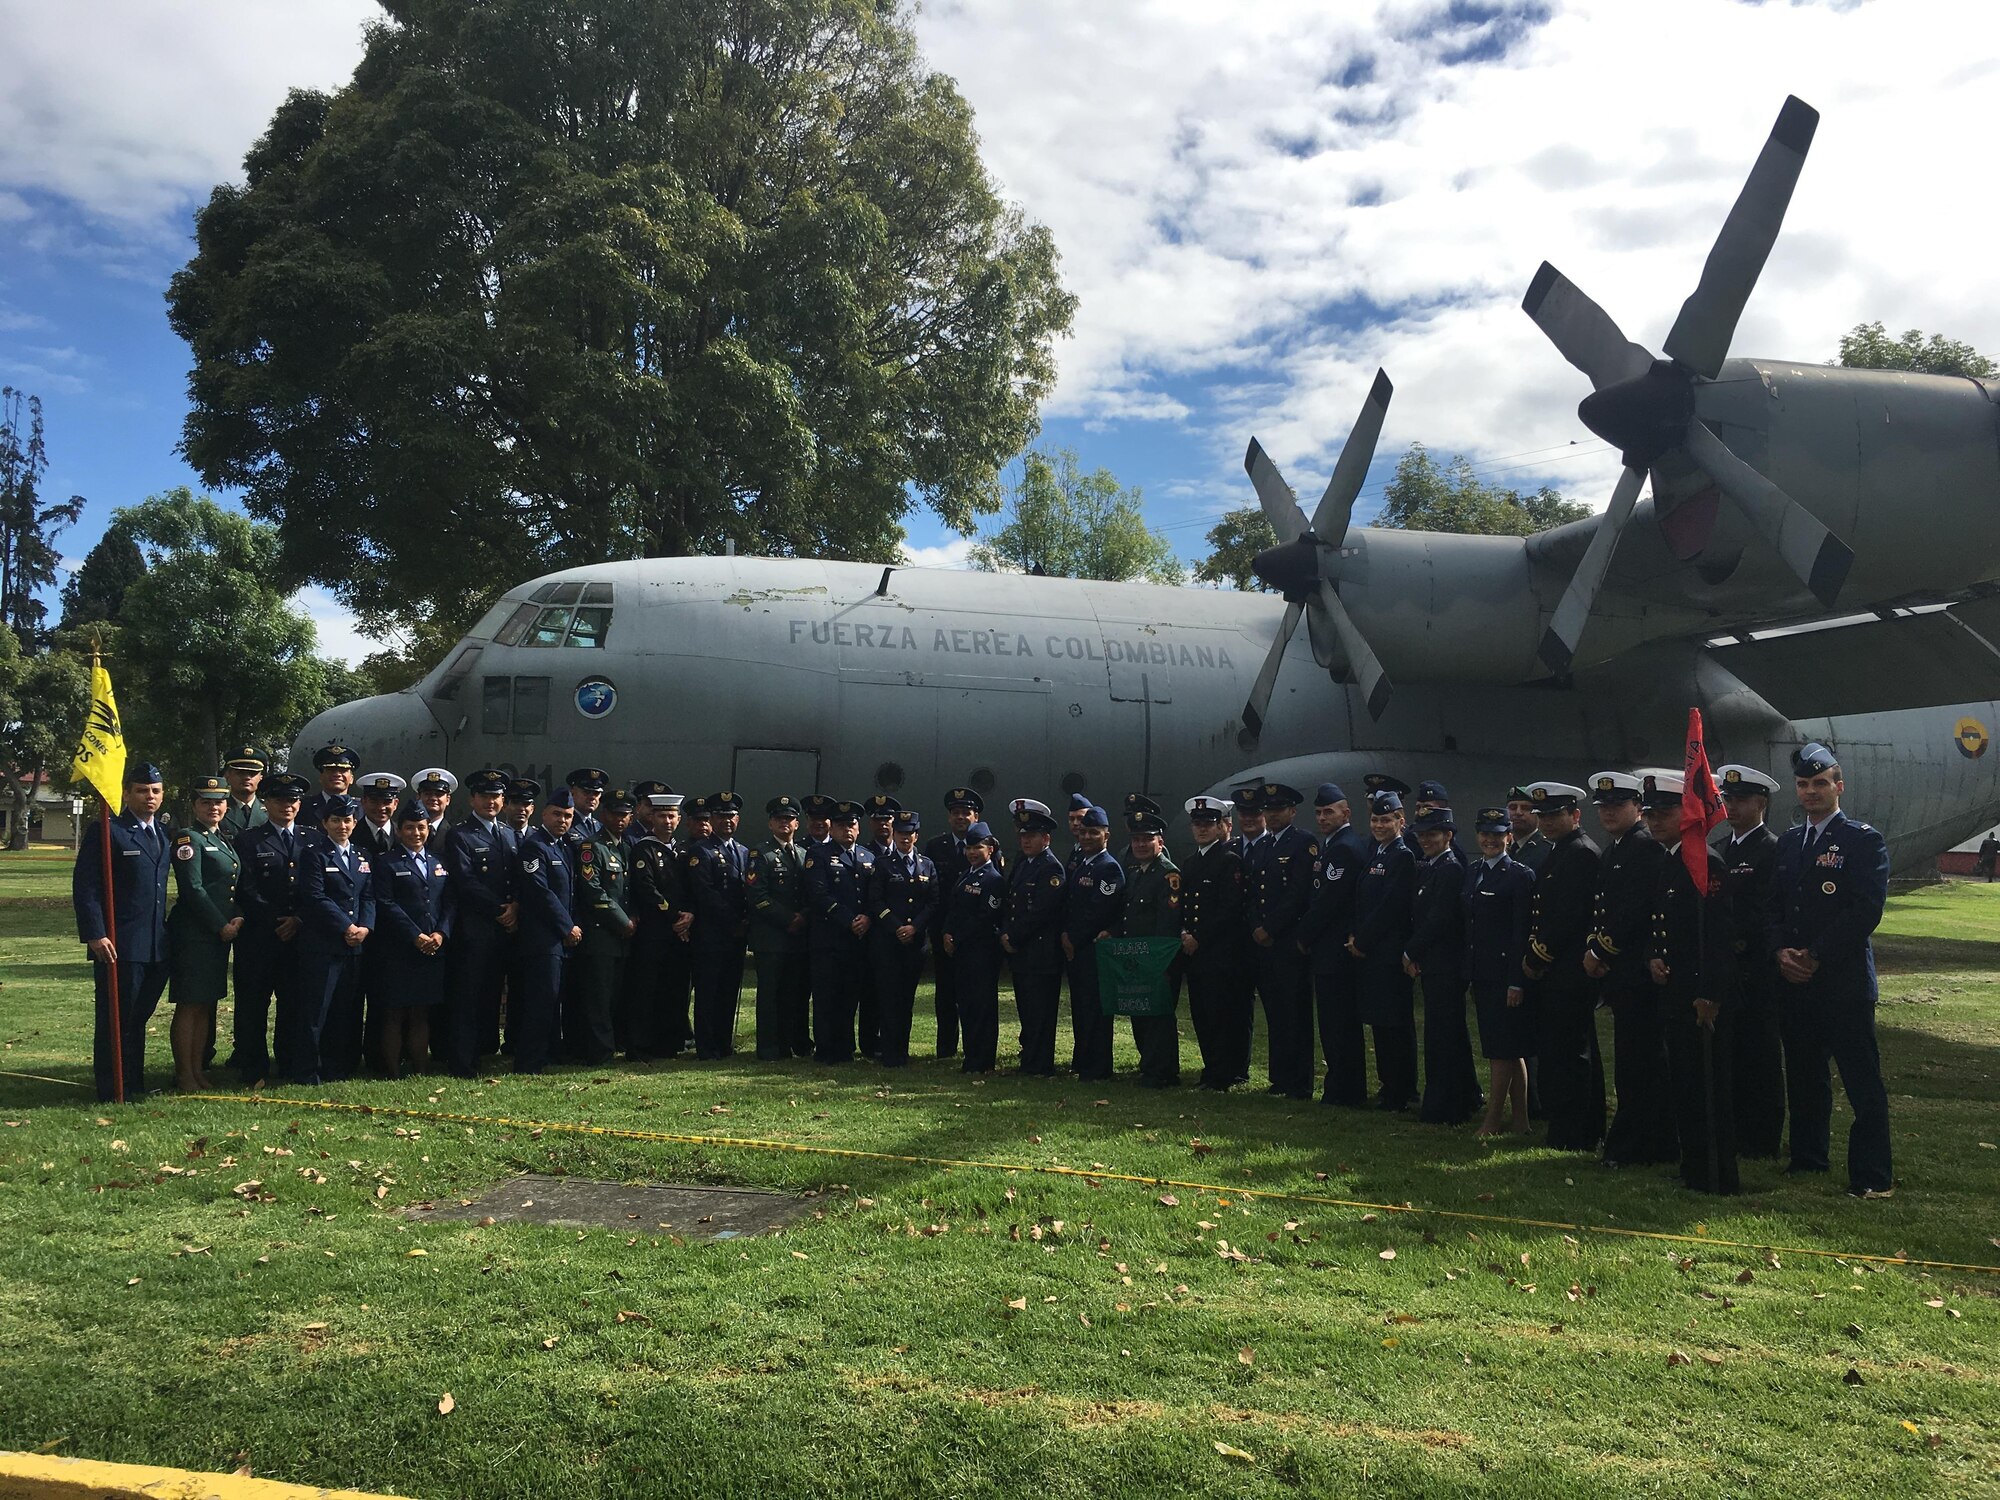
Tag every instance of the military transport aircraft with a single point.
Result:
(1819, 559)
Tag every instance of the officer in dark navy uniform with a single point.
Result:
(1527, 844)
(267, 949)
(1152, 908)
(837, 876)
(644, 815)
(522, 811)
(1382, 781)
(962, 808)
(1074, 816)
(375, 830)
(903, 894)
(1689, 962)
(1322, 936)
(1249, 835)
(479, 854)
(414, 921)
(135, 944)
(1830, 878)
(336, 766)
(713, 870)
(375, 836)
(880, 837)
(1213, 899)
(1031, 934)
(1434, 955)
(1281, 873)
(1383, 906)
(1757, 1057)
(434, 786)
(337, 910)
(1093, 896)
(549, 932)
(1498, 899)
(775, 886)
(657, 973)
(1565, 1000)
(971, 946)
(1642, 1128)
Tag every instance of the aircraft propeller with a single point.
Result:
(1296, 567)
(1646, 406)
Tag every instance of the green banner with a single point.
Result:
(1132, 975)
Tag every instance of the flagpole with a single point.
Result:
(111, 932)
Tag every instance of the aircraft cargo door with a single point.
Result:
(760, 774)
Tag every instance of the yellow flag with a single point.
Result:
(100, 754)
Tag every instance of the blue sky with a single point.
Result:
(1257, 204)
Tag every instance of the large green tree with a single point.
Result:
(96, 590)
(1066, 523)
(211, 650)
(1233, 544)
(28, 524)
(554, 283)
(1426, 495)
(1868, 346)
(42, 703)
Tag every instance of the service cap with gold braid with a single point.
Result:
(1744, 781)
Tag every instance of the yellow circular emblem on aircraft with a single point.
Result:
(1971, 738)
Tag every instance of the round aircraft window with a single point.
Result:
(982, 780)
(888, 776)
(1073, 782)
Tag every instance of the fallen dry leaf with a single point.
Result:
(446, 1406)
(1019, 1304)
(1745, 1276)
(1676, 1359)
(413, 1254)
(1246, 1356)
(1711, 1359)
(1234, 1453)
(1852, 1377)
(1168, 1200)
(550, 1341)
(1386, 1255)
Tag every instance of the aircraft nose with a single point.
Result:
(392, 732)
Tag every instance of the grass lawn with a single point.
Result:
(210, 1284)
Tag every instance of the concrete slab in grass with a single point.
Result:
(693, 1212)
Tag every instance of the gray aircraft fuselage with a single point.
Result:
(768, 675)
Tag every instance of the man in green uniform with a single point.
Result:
(244, 769)
(200, 928)
(597, 964)
(774, 884)
(1153, 909)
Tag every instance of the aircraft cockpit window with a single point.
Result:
(561, 614)
(550, 628)
(589, 626)
(517, 625)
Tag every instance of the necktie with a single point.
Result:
(285, 837)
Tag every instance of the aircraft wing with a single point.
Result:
(1927, 657)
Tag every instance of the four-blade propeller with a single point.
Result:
(1297, 566)
(1646, 406)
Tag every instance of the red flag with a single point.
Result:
(1701, 804)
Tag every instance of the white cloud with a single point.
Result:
(1258, 204)
(131, 108)
(339, 637)
(950, 554)
(1228, 212)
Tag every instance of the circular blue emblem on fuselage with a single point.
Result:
(595, 698)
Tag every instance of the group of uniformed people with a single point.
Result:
(590, 920)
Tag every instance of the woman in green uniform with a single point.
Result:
(200, 928)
